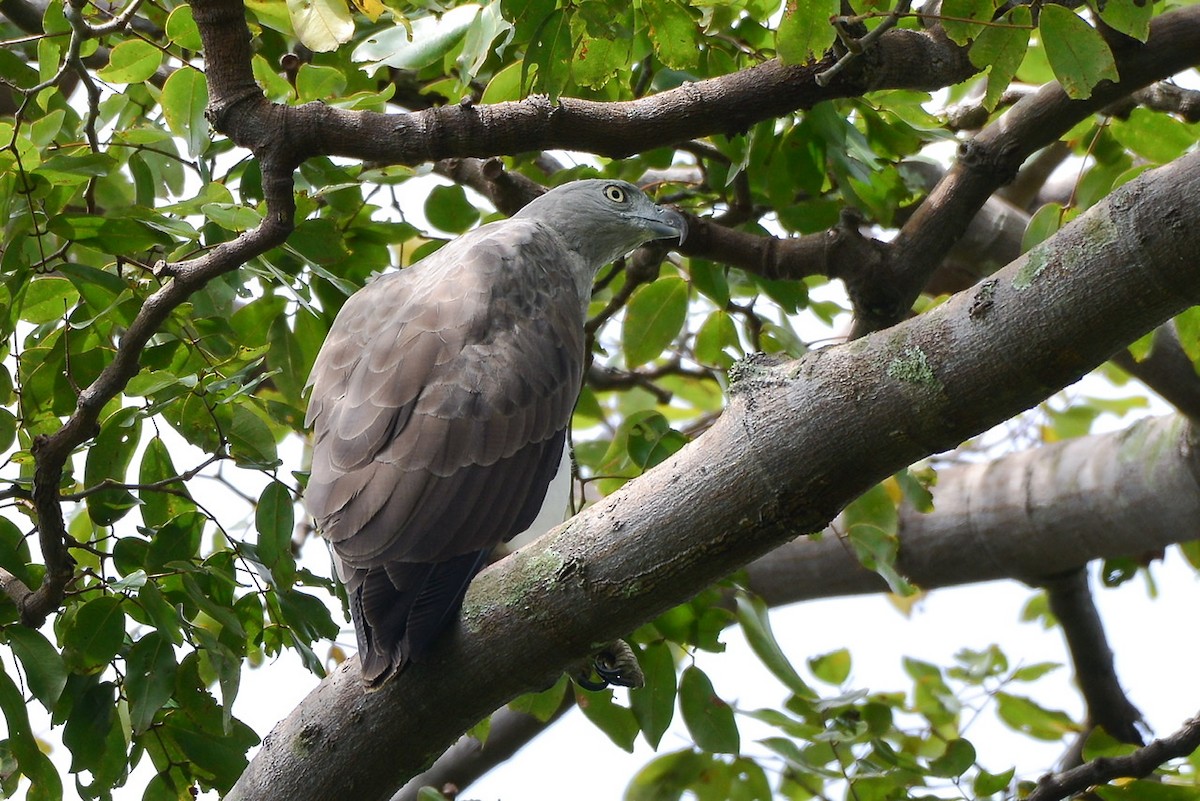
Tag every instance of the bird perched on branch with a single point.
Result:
(440, 404)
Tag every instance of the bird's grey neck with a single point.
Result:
(588, 259)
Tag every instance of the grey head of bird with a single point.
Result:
(604, 219)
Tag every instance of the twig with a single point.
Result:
(1142, 762)
(1107, 705)
(855, 47)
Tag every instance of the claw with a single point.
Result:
(615, 664)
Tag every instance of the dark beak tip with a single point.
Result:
(681, 224)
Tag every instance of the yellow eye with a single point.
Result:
(615, 193)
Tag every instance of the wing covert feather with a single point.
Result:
(441, 395)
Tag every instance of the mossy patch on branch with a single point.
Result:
(912, 366)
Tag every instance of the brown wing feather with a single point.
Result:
(439, 405)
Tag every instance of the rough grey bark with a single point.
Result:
(1116, 494)
(798, 441)
(1030, 515)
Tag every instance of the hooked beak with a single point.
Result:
(666, 224)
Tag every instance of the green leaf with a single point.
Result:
(708, 719)
(1077, 53)
(132, 61)
(274, 519)
(71, 169)
(665, 778)
(961, 18)
(181, 28)
(320, 240)
(184, 99)
(100, 289)
(163, 616)
(754, 618)
(931, 697)
(224, 757)
(46, 783)
(417, 44)
(95, 634)
(599, 60)
(1100, 743)
(548, 57)
(805, 32)
(1001, 49)
(308, 616)
(232, 216)
(1044, 223)
(108, 460)
(653, 318)
(654, 703)
(1035, 671)
(1190, 551)
(178, 540)
(611, 718)
(717, 333)
(316, 82)
(958, 757)
(711, 279)
(1150, 789)
(448, 208)
(1130, 17)
(44, 669)
(156, 468)
(649, 439)
(505, 85)
(831, 668)
(14, 553)
(542, 705)
(672, 33)
(87, 727)
(47, 299)
(1032, 719)
(251, 442)
(149, 678)
(321, 25)
(990, 783)
(1159, 137)
(481, 33)
(876, 549)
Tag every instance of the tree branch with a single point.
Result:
(227, 87)
(1142, 762)
(468, 759)
(1107, 495)
(1167, 370)
(991, 159)
(798, 441)
(724, 105)
(1107, 705)
(1029, 515)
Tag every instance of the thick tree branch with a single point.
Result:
(797, 442)
(507, 191)
(1029, 516)
(724, 105)
(992, 158)
(1142, 762)
(1058, 506)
